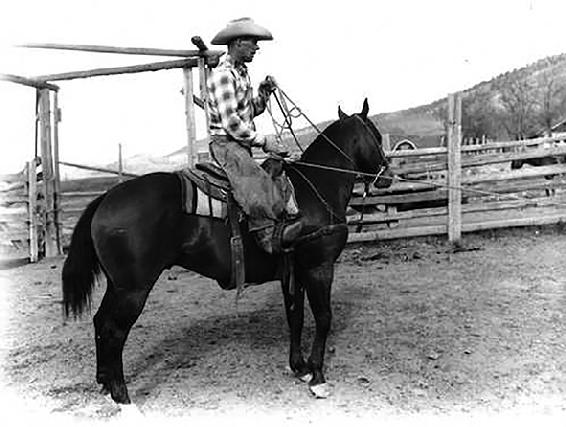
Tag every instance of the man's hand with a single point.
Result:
(271, 146)
(267, 86)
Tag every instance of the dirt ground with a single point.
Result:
(420, 331)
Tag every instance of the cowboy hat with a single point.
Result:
(243, 27)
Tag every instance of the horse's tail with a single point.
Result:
(81, 266)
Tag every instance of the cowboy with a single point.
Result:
(232, 107)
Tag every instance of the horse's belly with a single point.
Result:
(206, 250)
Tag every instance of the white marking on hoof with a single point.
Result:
(306, 378)
(321, 391)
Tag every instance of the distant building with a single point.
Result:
(404, 144)
(417, 141)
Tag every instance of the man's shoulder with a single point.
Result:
(223, 71)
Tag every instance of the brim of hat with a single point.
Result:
(241, 30)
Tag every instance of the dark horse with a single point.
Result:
(540, 161)
(138, 229)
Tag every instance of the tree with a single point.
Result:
(551, 100)
(517, 106)
(478, 115)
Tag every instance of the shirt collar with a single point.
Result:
(242, 69)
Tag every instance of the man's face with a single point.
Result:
(247, 47)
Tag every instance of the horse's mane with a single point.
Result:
(321, 143)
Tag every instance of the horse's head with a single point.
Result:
(367, 151)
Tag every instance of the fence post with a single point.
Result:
(57, 175)
(31, 169)
(190, 115)
(203, 77)
(454, 142)
(47, 170)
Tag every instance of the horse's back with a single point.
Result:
(145, 192)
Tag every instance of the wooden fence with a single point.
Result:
(491, 194)
(22, 213)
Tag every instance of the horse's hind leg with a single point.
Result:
(118, 311)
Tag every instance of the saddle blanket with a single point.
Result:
(202, 195)
(209, 206)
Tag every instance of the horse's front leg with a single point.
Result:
(318, 282)
(294, 300)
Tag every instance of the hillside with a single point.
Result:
(521, 103)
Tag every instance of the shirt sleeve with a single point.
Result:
(224, 92)
(259, 103)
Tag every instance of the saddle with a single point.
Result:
(213, 183)
(210, 179)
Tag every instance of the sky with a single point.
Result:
(325, 54)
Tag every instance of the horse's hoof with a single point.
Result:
(321, 391)
(105, 390)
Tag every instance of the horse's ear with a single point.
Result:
(341, 114)
(365, 109)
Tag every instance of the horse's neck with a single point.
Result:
(334, 187)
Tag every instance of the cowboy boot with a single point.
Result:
(274, 239)
(291, 231)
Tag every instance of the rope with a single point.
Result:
(299, 113)
(288, 116)
(317, 194)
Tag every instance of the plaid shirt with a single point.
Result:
(231, 104)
